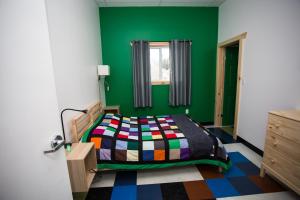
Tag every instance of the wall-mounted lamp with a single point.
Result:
(103, 70)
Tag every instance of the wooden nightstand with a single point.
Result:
(81, 160)
(112, 109)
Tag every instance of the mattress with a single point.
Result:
(153, 142)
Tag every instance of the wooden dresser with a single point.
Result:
(282, 148)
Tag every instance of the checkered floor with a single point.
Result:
(191, 182)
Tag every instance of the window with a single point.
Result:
(159, 63)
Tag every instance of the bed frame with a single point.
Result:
(83, 122)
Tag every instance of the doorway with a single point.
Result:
(230, 80)
(228, 84)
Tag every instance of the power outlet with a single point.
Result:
(187, 111)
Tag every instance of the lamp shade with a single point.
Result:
(103, 70)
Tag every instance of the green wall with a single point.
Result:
(119, 26)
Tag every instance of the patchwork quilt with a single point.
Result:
(152, 139)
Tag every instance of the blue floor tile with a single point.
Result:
(244, 186)
(128, 192)
(233, 172)
(237, 157)
(149, 192)
(221, 187)
(125, 178)
(248, 168)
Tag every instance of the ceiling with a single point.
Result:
(127, 3)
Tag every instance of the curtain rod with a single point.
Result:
(168, 41)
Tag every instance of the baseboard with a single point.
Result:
(250, 146)
(206, 123)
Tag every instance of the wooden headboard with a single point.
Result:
(83, 122)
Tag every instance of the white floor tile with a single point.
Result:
(104, 179)
(248, 153)
(266, 196)
(168, 175)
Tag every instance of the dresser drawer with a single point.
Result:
(285, 169)
(284, 127)
(283, 146)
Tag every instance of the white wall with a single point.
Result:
(271, 59)
(28, 104)
(75, 42)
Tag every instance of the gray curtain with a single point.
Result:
(141, 74)
(180, 77)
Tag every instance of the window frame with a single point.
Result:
(159, 44)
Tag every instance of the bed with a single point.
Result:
(147, 142)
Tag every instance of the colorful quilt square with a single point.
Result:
(174, 154)
(148, 155)
(174, 144)
(125, 129)
(97, 142)
(171, 135)
(169, 120)
(104, 123)
(121, 145)
(126, 120)
(105, 154)
(151, 122)
(132, 155)
(145, 127)
(99, 130)
(123, 135)
(108, 115)
(148, 145)
(183, 143)
(114, 121)
(109, 132)
(133, 135)
(116, 117)
(156, 137)
(106, 143)
(121, 155)
(144, 121)
(184, 154)
(159, 145)
(133, 120)
(132, 145)
(125, 125)
(159, 155)
(133, 129)
(154, 128)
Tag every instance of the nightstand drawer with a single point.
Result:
(284, 146)
(284, 127)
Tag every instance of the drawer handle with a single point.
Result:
(275, 143)
(272, 161)
(273, 136)
(277, 125)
